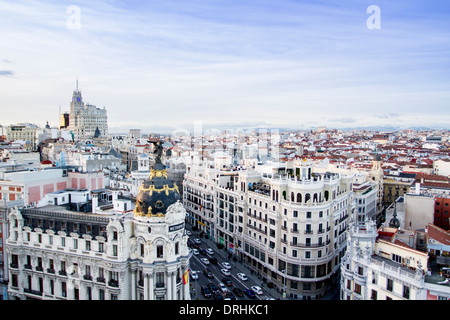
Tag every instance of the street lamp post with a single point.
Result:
(284, 283)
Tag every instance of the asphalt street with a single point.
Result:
(236, 267)
(221, 256)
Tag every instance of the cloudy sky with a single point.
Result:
(160, 65)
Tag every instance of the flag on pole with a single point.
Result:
(186, 277)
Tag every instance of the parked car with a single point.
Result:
(238, 292)
(197, 241)
(250, 293)
(257, 289)
(226, 265)
(204, 261)
(195, 251)
(188, 232)
(194, 275)
(225, 272)
(206, 292)
(242, 276)
(210, 251)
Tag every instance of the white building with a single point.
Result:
(441, 167)
(283, 221)
(86, 119)
(116, 254)
(383, 264)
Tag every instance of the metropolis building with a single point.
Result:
(113, 253)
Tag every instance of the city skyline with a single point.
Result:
(274, 64)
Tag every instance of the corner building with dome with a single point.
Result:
(135, 254)
(160, 258)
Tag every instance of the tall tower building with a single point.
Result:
(85, 119)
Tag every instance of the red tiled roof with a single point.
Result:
(438, 234)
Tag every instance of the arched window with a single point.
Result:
(299, 198)
(284, 194)
(307, 197)
(292, 197)
(327, 195)
(315, 197)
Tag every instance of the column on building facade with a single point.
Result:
(174, 285)
(146, 286)
(169, 286)
(133, 284)
(151, 286)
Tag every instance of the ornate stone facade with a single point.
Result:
(58, 254)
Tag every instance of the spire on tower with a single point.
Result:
(77, 83)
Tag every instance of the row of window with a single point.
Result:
(63, 290)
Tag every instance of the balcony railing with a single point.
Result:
(113, 283)
(35, 292)
(309, 245)
(100, 279)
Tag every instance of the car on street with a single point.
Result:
(208, 273)
(197, 241)
(194, 245)
(227, 282)
(226, 265)
(204, 261)
(188, 232)
(230, 296)
(225, 271)
(218, 296)
(257, 289)
(238, 292)
(206, 292)
(223, 288)
(213, 260)
(212, 287)
(210, 251)
(195, 251)
(194, 275)
(242, 276)
(249, 293)
(203, 252)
